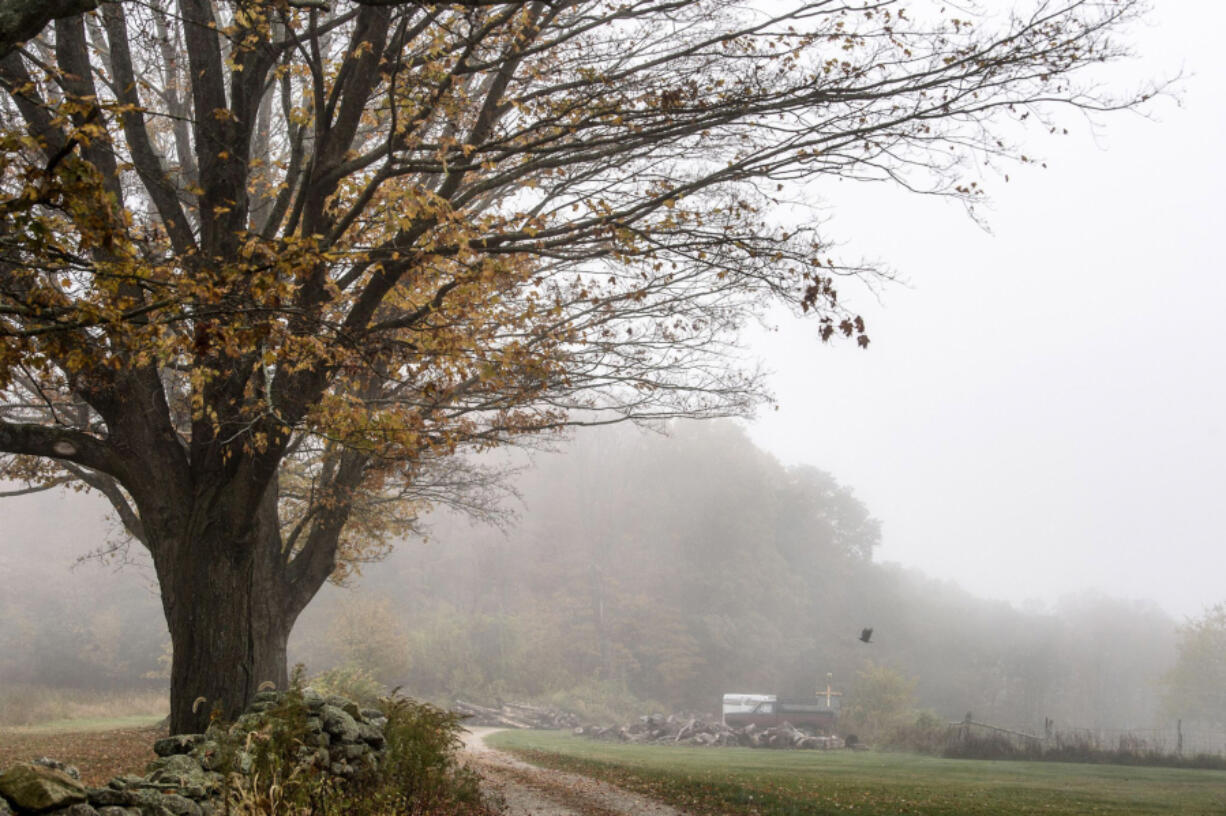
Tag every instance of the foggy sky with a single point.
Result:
(1041, 410)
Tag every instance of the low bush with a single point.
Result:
(601, 701)
(349, 680)
(420, 773)
(961, 744)
(927, 735)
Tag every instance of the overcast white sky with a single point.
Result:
(1042, 409)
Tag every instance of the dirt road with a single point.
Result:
(531, 791)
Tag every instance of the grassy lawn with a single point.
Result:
(23, 704)
(81, 725)
(804, 783)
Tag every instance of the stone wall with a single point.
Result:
(187, 778)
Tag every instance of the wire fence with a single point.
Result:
(1175, 740)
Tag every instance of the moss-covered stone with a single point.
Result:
(56, 765)
(177, 744)
(339, 724)
(180, 805)
(371, 735)
(35, 787)
(79, 809)
(176, 769)
(353, 751)
(111, 797)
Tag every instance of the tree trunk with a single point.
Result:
(228, 637)
(227, 604)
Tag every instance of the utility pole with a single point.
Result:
(829, 692)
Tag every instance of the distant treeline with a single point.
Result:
(670, 569)
(642, 570)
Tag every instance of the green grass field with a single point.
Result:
(807, 783)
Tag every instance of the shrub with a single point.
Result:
(601, 701)
(351, 681)
(881, 701)
(420, 773)
(929, 734)
(987, 746)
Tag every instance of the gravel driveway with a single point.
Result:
(527, 789)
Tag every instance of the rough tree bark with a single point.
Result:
(229, 615)
(231, 592)
(229, 604)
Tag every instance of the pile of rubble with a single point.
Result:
(187, 777)
(515, 715)
(683, 730)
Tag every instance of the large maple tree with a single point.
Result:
(268, 269)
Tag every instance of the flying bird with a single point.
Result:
(866, 635)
